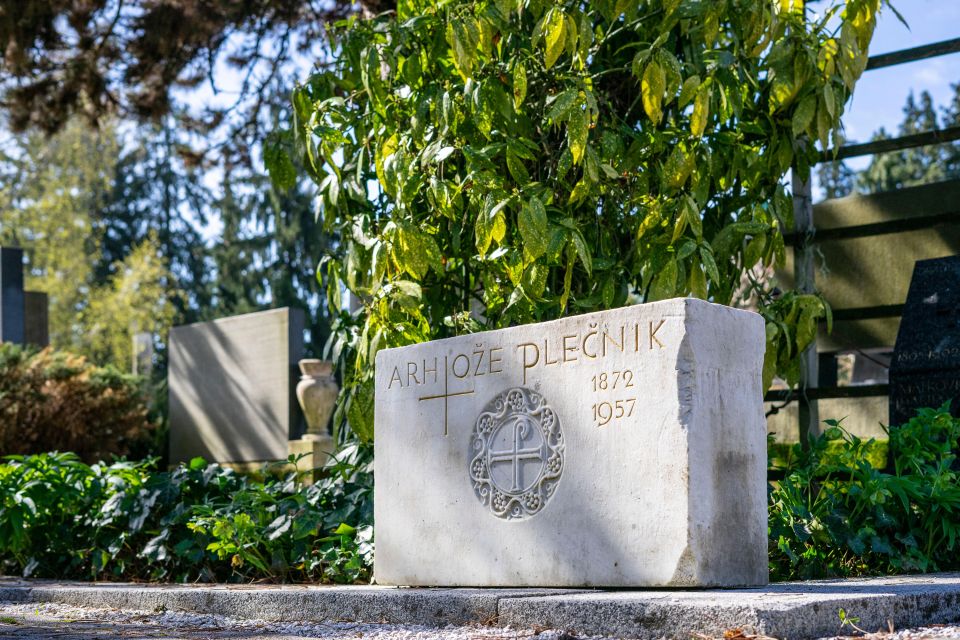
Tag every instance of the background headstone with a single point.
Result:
(11, 295)
(36, 324)
(925, 370)
(624, 448)
(142, 353)
(231, 384)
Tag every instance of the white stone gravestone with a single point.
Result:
(624, 448)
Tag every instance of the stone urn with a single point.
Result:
(317, 393)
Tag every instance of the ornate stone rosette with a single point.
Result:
(516, 454)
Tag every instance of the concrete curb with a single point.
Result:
(792, 610)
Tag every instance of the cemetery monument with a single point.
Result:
(925, 370)
(624, 448)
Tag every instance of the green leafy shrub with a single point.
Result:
(836, 514)
(61, 518)
(53, 400)
(491, 163)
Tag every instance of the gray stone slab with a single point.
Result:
(787, 610)
(284, 604)
(232, 387)
(796, 610)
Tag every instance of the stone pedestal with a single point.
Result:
(318, 450)
(618, 449)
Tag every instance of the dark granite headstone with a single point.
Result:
(11, 295)
(925, 370)
(36, 318)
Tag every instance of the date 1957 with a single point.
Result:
(606, 411)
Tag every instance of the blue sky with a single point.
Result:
(880, 95)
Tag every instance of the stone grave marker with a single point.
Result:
(231, 385)
(11, 295)
(925, 370)
(36, 318)
(624, 448)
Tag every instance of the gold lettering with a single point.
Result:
(526, 364)
(636, 338)
(653, 334)
(606, 338)
(590, 334)
(546, 354)
(491, 360)
(567, 348)
(466, 360)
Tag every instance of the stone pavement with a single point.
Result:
(787, 610)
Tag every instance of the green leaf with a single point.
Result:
(555, 36)
(582, 251)
(533, 225)
(580, 191)
(416, 251)
(709, 264)
(701, 109)
(577, 131)
(803, 115)
(282, 171)
(562, 105)
(519, 85)
(688, 91)
(665, 283)
(677, 168)
(463, 34)
(652, 88)
(517, 169)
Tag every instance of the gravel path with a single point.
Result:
(61, 622)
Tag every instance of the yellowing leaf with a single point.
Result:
(701, 109)
(579, 192)
(688, 90)
(416, 251)
(651, 88)
(677, 168)
(519, 85)
(554, 28)
(577, 131)
(463, 35)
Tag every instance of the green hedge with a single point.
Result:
(836, 513)
(61, 518)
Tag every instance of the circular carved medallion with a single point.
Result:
(516, 453)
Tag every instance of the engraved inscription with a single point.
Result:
(516, 454)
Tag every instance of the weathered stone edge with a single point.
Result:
(353, 604)
(779, 615)
(792, 612)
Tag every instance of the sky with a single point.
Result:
(880, 94)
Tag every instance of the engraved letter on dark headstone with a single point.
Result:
(925, 370)
(11, 295)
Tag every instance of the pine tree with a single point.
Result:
(898, 169)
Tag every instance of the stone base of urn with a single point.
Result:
(316, 450)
